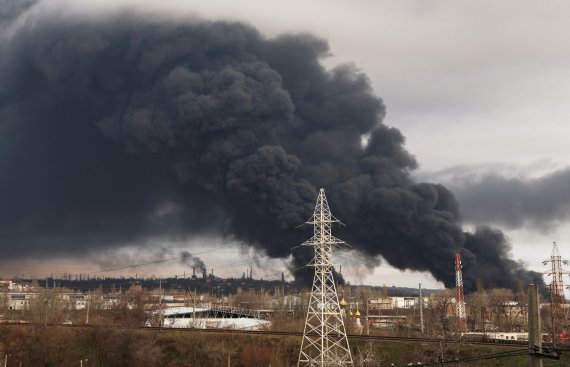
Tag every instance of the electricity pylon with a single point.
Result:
(557, 285)
(324, 337)
(557, 299)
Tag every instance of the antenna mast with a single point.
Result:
(459, 296)
(324, 337)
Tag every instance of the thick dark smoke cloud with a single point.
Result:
(486, 253)
(121, 129)
(513, 202)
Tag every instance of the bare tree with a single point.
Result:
(437, 311)
(477, 305)
(366, 355)
(501, 303)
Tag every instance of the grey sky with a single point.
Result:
(474, 86)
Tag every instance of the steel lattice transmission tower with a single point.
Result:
(324, 338)
(459, 295)
(556, 285)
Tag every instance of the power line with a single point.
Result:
(164, 260)
(514, 353)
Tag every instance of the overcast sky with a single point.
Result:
(479, 89)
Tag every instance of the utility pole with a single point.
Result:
(324, 337)
(534, 341)
(421, 302)
(160, 304)
(46, 303)
(535, 352)
(194, 310)
(88, 303)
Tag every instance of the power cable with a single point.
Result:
(513, 353)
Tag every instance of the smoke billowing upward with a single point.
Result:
(124, 128)
(194, 262)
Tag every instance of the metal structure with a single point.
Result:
(558, 313)
(556, 285)
(459, 296)
(324, 337)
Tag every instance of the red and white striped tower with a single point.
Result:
(459, 296)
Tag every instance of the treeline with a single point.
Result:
(208, 285)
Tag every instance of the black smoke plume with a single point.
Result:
(123, 128)
(194, 262)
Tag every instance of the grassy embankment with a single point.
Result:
(105, 346)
